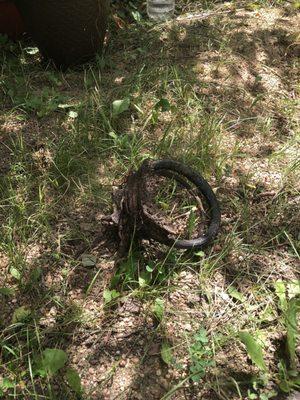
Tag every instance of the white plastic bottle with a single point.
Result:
(160, 10)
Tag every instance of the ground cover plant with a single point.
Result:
(219, 93)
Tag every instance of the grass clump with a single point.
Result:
(218, 94)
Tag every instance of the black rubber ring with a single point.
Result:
(203, 189)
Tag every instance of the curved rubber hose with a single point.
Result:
(203, 189)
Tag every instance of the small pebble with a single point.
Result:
(137, 396)
(164, 383)
(188, 327)
(122, 363)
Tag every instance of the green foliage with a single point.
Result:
(15, 273)
(201, 355)
(191, 223)
(163, 105)
(41, 104)
(120, 106)
(280, 290)
(288, 376)
(260, 394)
(5, 384)
(35, 275)
(166, 353)
(110, 295)
(5, 291)
(158, 308)
(135, 272)
(127, 272)
(290, 309)
(235, 294)
(50, 362)
(21, 314)
(293, 309)
(73, 380)
(254, 349)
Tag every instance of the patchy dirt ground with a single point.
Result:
(232, 82)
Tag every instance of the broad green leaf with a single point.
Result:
(39, 368)
(53, 360)
(201, 336)
(120, 106)
(21, 314)
(158, 308)
(110, 295)
(15, 273)
(235, 294)
(163, 104)
(280, 290)
(254, 349)
(88, 260)
(292, 329)
(73, 380)
(136, 16)
(6, 291)
(166, 353)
